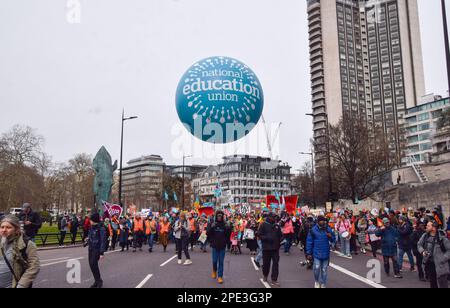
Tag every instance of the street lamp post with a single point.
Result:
(446, 40)
(121, 157)
(330, 181)
(313, 177)
(182, 188)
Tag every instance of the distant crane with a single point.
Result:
(269, 142)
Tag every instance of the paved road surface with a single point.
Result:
(160, 270)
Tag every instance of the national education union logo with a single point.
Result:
(219, 100)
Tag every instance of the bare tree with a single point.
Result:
(22, 146)
(303, 183)
(22, 167)
(359, 158)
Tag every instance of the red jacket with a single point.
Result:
(86, 224)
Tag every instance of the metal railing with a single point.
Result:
(417, 169)
(53, 239)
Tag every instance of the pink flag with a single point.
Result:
(112, 209)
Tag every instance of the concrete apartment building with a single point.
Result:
(142, 181)
(205, 184)
(251, 178)
(366, 62)
(190, 171)
(421, 127)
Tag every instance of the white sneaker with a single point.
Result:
(317, 285)
(322, 286)
(180, 262)
(187, 262)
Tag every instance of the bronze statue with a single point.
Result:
(104, 172)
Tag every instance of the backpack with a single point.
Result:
(440, 241)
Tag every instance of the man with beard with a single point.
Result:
(19, 262)
(31, 220)
(435, 248)
(318, 249)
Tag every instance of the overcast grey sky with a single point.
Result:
(70, 81)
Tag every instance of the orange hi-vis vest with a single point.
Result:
(379, 222)
(353, 229)
(138, 225)
(436, 217)
(150, 227)
(192, 224)
(165, 228)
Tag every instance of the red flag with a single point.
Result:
(271, 199)
(208, 211)
(291, 203)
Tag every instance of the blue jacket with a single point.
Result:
(389, 240)
(318, 243)
(97, 238)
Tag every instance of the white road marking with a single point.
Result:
(113, 251)
(254, 265)
(168, 260)
(144, 281)
(357, 277)
(57, 259)
(265, 284)
(59, 262)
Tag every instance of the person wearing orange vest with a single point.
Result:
(353, 236)
(114, 231)
(150, 231)
(138, 233)
(164, 232)
(192, 231)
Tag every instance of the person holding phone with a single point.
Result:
(181, 231)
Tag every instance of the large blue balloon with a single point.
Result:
(219, 100)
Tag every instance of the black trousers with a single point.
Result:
(193, 239)
(74, 237)
(85, 234)
(419, 262)
(435, 281)
(375, 246)
(183, 246)
(353, 246)
(394, 263)
(62, 237)
(138, 239)
(271, 257)
(94, 257)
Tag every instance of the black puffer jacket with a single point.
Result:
(218, 233)
(405, 232)
(36, 222)
(270, 235)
